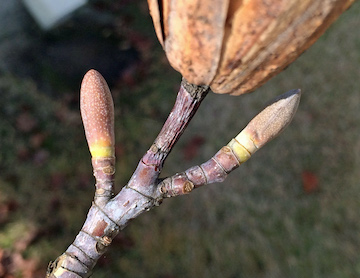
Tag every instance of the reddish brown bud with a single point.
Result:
(97, 112)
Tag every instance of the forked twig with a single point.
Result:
(109, 214)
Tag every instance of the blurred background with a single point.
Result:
(290, 211)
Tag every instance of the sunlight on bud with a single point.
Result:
(266, 125)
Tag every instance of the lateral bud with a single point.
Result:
(179, 184)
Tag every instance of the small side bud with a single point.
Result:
(97, 112)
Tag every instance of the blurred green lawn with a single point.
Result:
(290, 211)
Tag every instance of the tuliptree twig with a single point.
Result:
(109, 214)
(262, 128)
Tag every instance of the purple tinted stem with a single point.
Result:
(109, 215)
(215, 169)
(187, 102)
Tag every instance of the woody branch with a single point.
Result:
(109, 214)
(145, 190)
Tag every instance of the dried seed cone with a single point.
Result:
(97, 112)
(234, 46)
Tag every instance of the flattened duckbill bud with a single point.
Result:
(273, 119)
(266, 125)
(97, 112)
